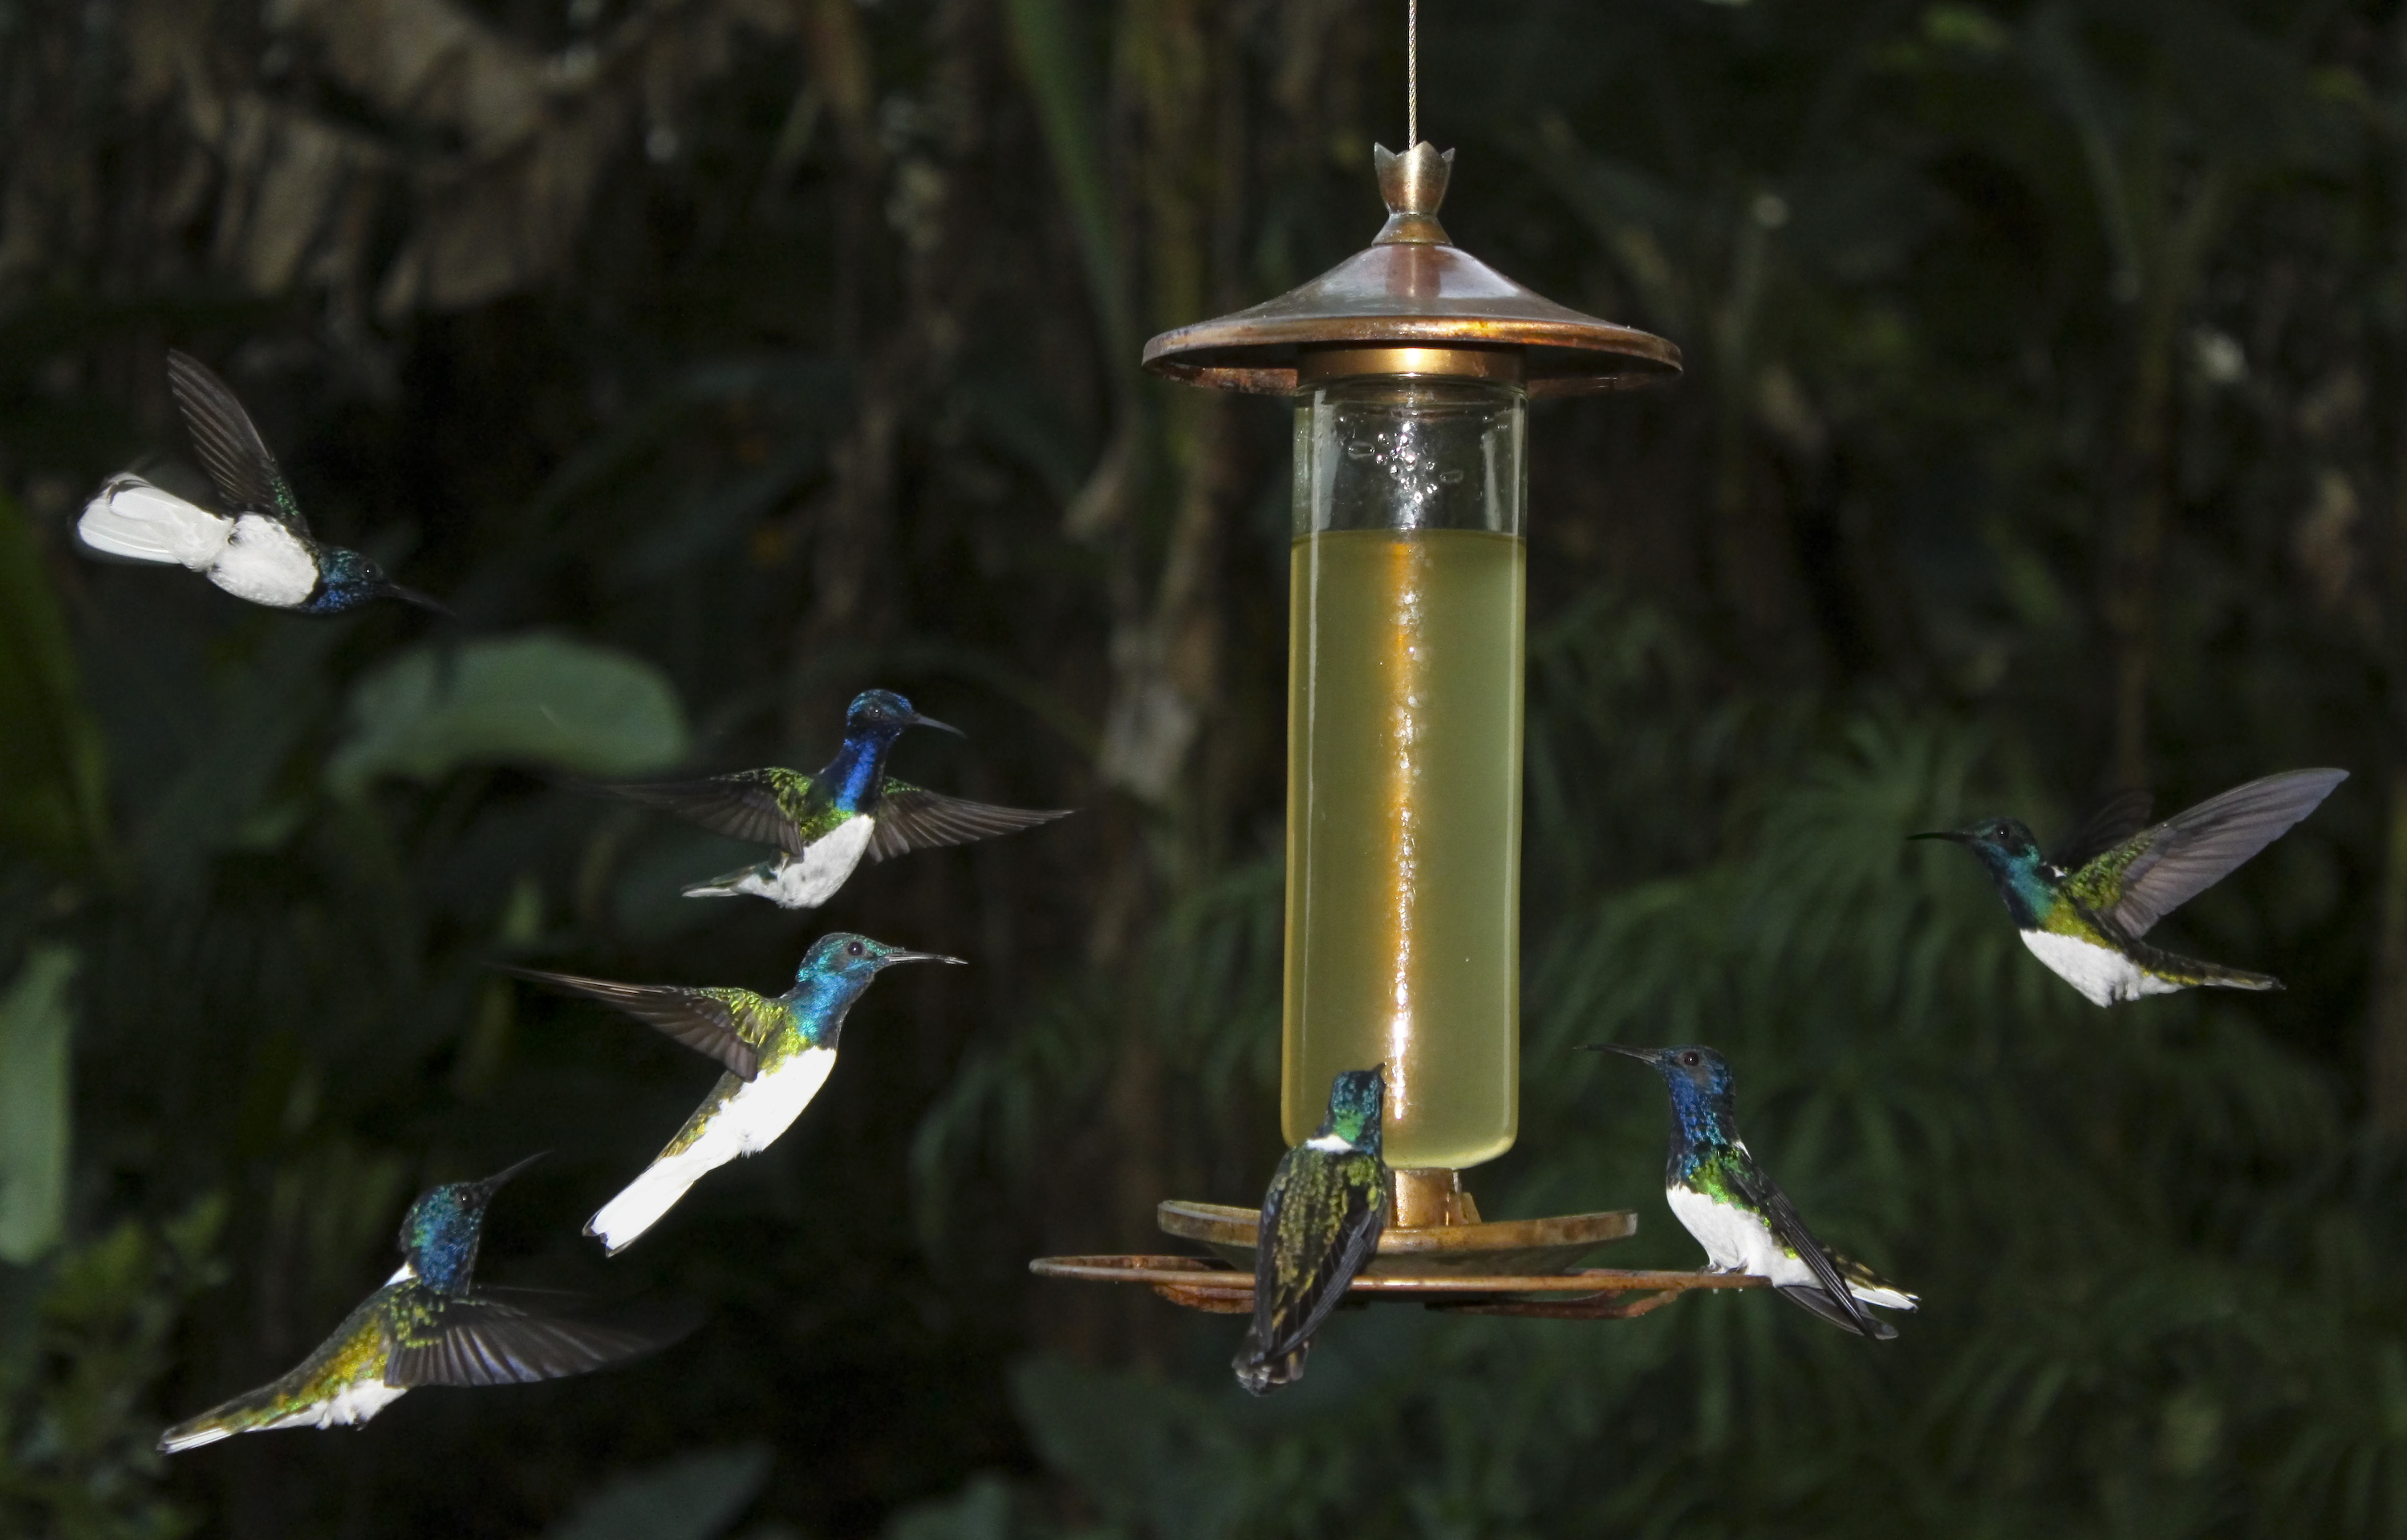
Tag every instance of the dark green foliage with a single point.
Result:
(2044, 429)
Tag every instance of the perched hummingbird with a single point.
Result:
(427, 1326)
(261, 548)
(2083, 909)
(826, 823)
(778, 1052)
(1738, 1213)
(1321, 1220)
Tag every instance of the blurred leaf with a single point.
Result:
(1153, 1456)
(1045, 45)
(979, 1511)
(36, 1031)
(694, 1497)
(540, 700)
(51, 764)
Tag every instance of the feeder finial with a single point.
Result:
(1412, 184)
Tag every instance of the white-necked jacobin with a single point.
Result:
(428, 1325)
(778, 1051)
(1321, 1222)
(1737, 1212)
(2083, 908)
(825, 824)
(260, 547)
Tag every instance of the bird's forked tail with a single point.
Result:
(1260, 1373)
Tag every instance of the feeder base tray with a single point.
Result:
(1452, 1261)
(1586, 1294)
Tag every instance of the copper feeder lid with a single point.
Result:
(1412, 302)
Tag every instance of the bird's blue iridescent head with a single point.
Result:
(832, 974)
(346, 581)
(872, 723)
(1701, 1088)
(1354, 1099)
(2005, 846)
(440, 1232)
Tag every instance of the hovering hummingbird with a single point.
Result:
(1738, 1213)
(261, 548)
(2083, 908)
(426, 1326)
(826, 824)
(778, 1052)
(1321, 1222)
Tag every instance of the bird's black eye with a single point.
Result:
(855, 949)
(1690, 1059)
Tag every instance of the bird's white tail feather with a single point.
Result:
(131, 518)
(1889, 1299)
(641, 1203)
(724, 886)
(177, 1440)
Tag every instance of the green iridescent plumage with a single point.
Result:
(427, 1325)
(778, 1052)
(1321, 1220)
(827, 823)
(2083, 908)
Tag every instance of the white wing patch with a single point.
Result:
(131, 518)
(2103, 975)
(265, 563)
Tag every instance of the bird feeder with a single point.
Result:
(1411, 364)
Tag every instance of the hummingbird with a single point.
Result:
(1737, 1212)
(260, 548)
(2083, 908)
(1321, 1222)
(778, 1051)
(826, 824)
(428, 1325)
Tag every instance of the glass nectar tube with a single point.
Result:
(1408, 588)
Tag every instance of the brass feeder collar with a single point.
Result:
(1412, 302)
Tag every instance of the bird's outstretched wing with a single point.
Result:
(492, 1338)
(909, 818)
(767, 807)
(1834, 1302)
(2109, 824)
(230, 447)
(728, 1024)
(2161, 867)
(1319, 1229)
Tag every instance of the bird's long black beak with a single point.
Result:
(492, 1183)
(424, 600)
(893, 957)
(920, 721)
(1954, 836)
(1644, 1055)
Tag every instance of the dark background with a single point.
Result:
(2045, 431)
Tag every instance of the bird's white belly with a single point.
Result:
(766, 1107)
(265, 563)
(2102, 974)
(1735, 1241)
(352, 1404)
(812, 878)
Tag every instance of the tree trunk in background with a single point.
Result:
(2386, 1077)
